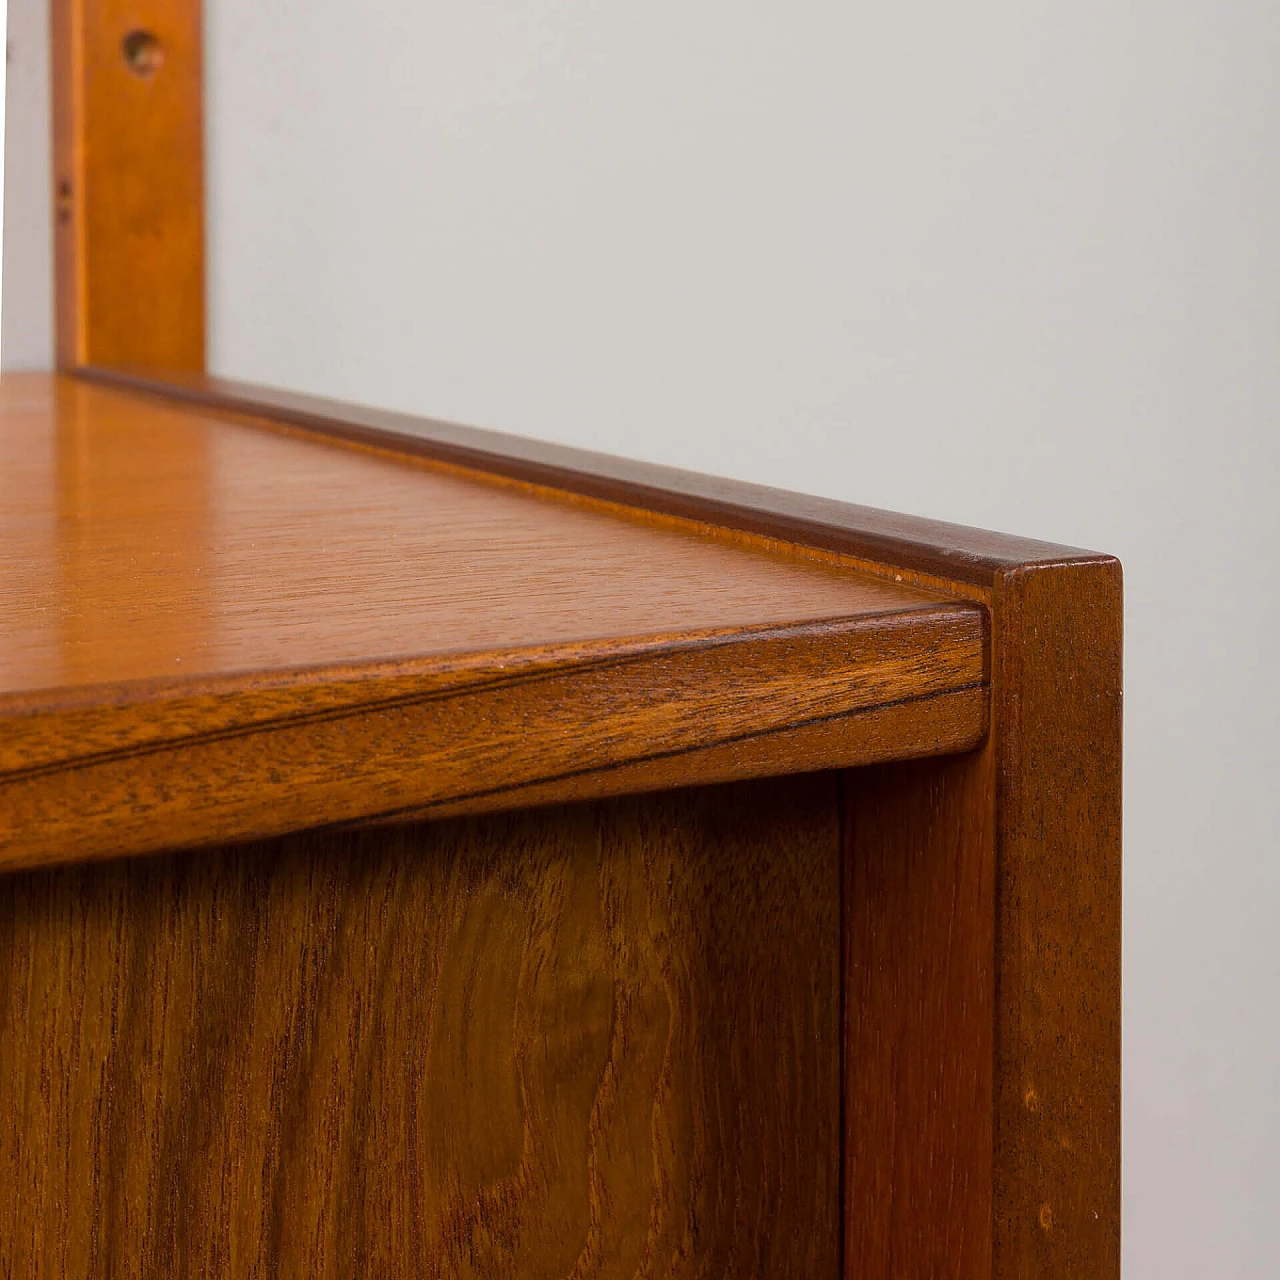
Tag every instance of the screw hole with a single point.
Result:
(142, 53)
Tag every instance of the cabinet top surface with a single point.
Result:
(141, 541)
(214, 628)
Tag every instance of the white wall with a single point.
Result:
(1015, 265)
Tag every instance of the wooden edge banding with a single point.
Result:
(936, 725)
(931, 551)
(60, 728)
(573, 723)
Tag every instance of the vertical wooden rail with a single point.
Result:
(128, 183)
(982, 965)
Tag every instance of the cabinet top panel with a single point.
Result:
(141, 541)
(176, 578)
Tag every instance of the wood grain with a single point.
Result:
(183, 545)
(920, 959)
(594, 1041)
(129, 182)
(952, 557)
(981, 893)
(982, 944)
(215, 632)
(923, 727)
(1057, 1045)
(574, 727)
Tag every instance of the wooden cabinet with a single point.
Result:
(420, 859)
(429, 853)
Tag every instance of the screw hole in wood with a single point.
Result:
(143, 54)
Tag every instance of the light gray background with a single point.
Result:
(27, 319)
(1016, 265)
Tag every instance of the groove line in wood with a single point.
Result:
(846, 717)
(40, 717)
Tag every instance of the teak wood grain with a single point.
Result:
(982, 965)
(598, 1041)
(862, 1023)
(982, 891)
(595, 1040)
(980, 903)
(215, 632)
(980, 916)
(906, 547)
(128, 182)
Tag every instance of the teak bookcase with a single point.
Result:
(427, 852)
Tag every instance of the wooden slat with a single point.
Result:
(1058, 907)
(982, 971)
(128, 183)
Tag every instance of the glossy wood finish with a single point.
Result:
(175, 539)
(920, 953)
(599, 1041)
(982, 969)
(593, 731)
(980, 902)
(215, 632)
(1058, 910)
(953, 557)
(128, 182)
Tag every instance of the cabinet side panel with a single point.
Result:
(1057, 716)
(592, 1041)
(919, 888)
(982, 965)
